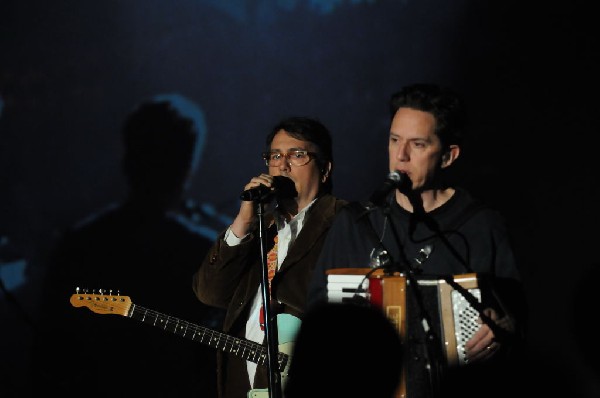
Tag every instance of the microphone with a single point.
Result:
(394, 180)
(282, 186)
(423, 254)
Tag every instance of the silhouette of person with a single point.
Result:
(583, 304)
(345, 350)
(16, 318)
(142, 248)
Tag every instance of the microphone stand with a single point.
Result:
(270, 327)
(433, 355)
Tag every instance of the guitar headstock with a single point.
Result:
(102, 303)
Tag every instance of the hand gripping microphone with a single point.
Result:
(394, 180)
(283, 187)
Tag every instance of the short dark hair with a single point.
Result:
(310, 130)
(443, 103)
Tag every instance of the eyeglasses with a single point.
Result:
(296, 158)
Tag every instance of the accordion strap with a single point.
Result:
(360, 213)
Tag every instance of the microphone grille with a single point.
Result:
(284, 187)
(395, 176)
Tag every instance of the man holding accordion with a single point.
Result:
(432, 237)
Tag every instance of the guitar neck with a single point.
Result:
(243, 348)
(122, 305)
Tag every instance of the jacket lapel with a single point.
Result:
(317, 222)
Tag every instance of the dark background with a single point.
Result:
(71, 70)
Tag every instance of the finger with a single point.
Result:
(263, 179)
(483, 354)
(491, 313)
(480, 339)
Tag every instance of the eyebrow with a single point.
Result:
(289, 150)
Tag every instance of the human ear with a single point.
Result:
(451, 154)
(325, 171)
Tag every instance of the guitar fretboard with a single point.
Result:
(243, 348)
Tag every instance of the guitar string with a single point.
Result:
(255, 352)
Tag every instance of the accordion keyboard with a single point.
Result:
(465, 321)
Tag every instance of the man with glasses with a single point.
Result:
(300, 149)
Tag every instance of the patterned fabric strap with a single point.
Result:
(272, 261)
(272, 268)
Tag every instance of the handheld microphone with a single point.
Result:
(394, 180)
(282, 186)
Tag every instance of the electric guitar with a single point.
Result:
(287, 327)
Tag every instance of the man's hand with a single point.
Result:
(484, 344)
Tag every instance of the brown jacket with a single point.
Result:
(230, 276)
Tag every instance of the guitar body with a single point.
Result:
(287, 329)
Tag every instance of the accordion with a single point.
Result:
(449, 304)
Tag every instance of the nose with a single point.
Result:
(285, 164)
(402, 152)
